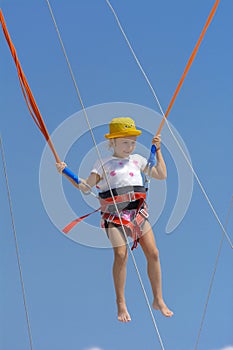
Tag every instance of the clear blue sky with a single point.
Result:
(69, 287)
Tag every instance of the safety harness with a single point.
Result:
(125, 198)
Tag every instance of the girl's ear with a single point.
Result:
(111, 143)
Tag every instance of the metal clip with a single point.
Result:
(144, 213)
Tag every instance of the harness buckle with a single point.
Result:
(144, 213)
(131, 195)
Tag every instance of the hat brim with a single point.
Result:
(123, 134)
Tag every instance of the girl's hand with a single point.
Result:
(60, 167)
(157, 142)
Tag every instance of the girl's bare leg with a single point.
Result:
(119, 270)
(151, 252)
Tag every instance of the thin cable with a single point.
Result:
(165, 120)
(16, 245)
(212, 277)
(107, 180)
(201, 187)
(134, 55)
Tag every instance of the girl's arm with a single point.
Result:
(91, 181)
(159, 171)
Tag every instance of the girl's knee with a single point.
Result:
(121, 255)
(153, 254)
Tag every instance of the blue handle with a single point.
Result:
(152, 161)
(71, 175)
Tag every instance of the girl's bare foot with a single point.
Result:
(161, 306)
(123, 315)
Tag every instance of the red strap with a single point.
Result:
(139, 195)
(76, 221)
(105, 202)
(134, 229)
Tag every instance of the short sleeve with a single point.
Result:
(142, 161)
(97, 168)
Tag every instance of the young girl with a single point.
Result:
(121, 176)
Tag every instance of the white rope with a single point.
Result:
(107, 179)
(224, 233)
(212, 278)
(16, 245)
(163, 114)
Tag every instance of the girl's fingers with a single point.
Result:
(60, 166)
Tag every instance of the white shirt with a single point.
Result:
(120, 171)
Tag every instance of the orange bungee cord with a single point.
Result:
(31, 103)
(27, 93)
(190, 61)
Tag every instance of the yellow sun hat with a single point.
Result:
(122, 127)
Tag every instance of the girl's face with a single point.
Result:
(123, 146)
